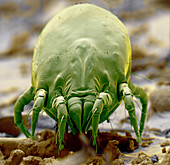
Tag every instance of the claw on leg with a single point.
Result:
(129, 105)
(59, 105)
(19, 108)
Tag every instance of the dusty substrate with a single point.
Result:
(77, 150)
(160, 159)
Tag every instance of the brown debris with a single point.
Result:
(154, 74)
(138, 14)
(147, 138)
(138, 65)
(112, 4)
(96, 160)
(160, 100)
(166, 158)
(161, 4)
(7, 126)
(153, 41)
(9, 90)
(19, 45)
(143, 28)
(8, 102)
(48, 161)
(146, 143)
(25, 68)
(125, 120)
(32, 152)
(37, 28)
(139, 52)
(9, 9)
(111, 151)
(142, 159)
(16, 157)
(2, 161)
(48, 5)
(143, 60)
(118, 162)
(164, 150)
(77, 1)
(31, 160)
(165, 143)
(164, 77)
(126, 143)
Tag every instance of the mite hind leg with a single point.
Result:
(126, 93)
(23, 100)
(141, 94)
(61, 109)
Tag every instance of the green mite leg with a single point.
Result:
(19, 108)
(75, 111)
(59, 105)
(87, 107)
(141, 94)
(129, 105)
(38, 105)
(104, 99)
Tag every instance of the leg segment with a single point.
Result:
(60, 107)
(129, 105)
(141, 94)
(104, 99)
(75, 111)
(38, 105)
(87, 107)
(19, 108)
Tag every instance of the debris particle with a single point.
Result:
(25, 68)
(146, 143)
(164, 150)
(16, 157)
(139, 30)
(165, 143)
(19, 45)
(112, 4)
(154, 158)
(32, 160)
(111, 151)
(153, 41)
(8, 102)
(77, 1)
(160, 102)
(9, 90)
(9, 9)
(138, 14)
(142, 159)
(118, 162)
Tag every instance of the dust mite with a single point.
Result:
(81, 73)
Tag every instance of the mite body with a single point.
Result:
(81, 72)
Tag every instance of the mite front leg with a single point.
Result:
(19, 108)
(38, 105)
(141, 94)
(60, 107)
(104, 99)
(129, 105)
(75, 112)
